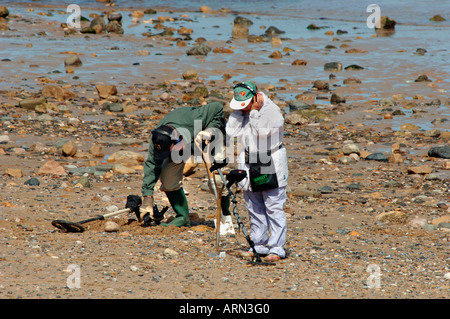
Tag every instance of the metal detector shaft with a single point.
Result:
(238, 219)
(101, 217)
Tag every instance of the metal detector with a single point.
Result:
(132, 206)
(235, 176)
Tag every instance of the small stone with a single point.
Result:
(97, 151)
(199, 49)
(332, 66)
(84, 181)
(303, 192)
(69, 149)
(439, 220)
(396, 158)
(439, 151)
(444, 225)
(298, 105)
(4, 12)
(14, 172)
(425, 169)
(395, 216)
(73, 60)
(142, 52)
(114, 27)
(51, 167)
(32, 182)
(420, 51)
(57, 92)
(433, 177)
(111, 226)
(432, 133)
(352, 81)
(312, 26)
(296, 119)
(347, 160)
(377, 157)
(437, 18)
(409, 127)
(105, 91)
(122, 169)
(353, 186)
(273, 31)
(386, 23)
(114, 16)
(205, 9)
(350, 148)
(321, 85)
(417, 222)
(422, 78)
(98, 24)
(114, 107)
(325, 189)
(170, 252)
(337, 98)
(190, 75)
(353, 67)
(31, 103)
(185, 31)
(299, 62)
(4, 138)
(242, 21)
(239, 31)
(276, 55)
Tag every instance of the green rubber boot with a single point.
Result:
(178, 201)
(225, 205)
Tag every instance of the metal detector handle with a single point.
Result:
(117, 212)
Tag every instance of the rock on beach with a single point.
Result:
(51, 167)
(126, 158)
(57, 92)
(440, 151)
(73, 60)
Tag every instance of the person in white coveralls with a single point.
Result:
(258, 125)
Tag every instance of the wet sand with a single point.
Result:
(372, 213)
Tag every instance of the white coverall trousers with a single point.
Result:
(267, 215)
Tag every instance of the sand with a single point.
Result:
(338, 245)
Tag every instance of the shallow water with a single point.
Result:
(390, 65)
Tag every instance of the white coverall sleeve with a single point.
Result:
(265, 122)
(235, 127)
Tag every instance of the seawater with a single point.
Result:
(390, 60)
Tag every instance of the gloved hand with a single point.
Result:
(205, 135)
(146, 207)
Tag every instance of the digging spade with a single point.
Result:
(208, 163)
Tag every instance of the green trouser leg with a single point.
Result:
(179, 203)
(225, 205)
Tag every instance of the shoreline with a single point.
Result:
(363, 188)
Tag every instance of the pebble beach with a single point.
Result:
(367, 133)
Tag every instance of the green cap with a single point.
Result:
(243, 94)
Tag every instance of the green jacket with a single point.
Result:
(189, 121)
